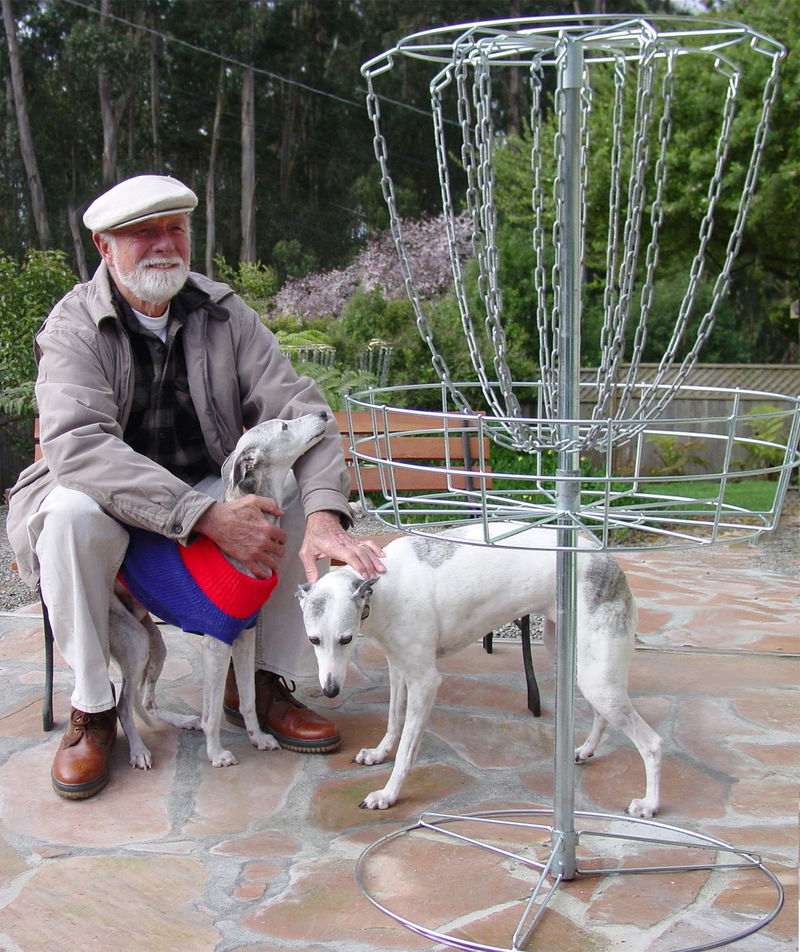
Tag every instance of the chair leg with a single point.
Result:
(47, 700)
(534, 701)
(487, 642)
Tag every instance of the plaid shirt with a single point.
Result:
(163, 423)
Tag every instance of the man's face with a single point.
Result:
(149, 260)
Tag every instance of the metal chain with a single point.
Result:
(470, 70)
(735, 238)
(387, 188)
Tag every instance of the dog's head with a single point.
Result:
(265, 454)
(333, 608)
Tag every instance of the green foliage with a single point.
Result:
(312, 355)
(304, 337)
(768, 424)
(28, 291)
(334, 382)
(291, 260)
(17, 402)
(256, 283)
(676, 454)
(369, 315)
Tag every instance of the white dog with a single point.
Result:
(439, 596)
(259, 465)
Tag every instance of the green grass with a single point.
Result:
(756, 495)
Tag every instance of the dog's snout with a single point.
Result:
(331, 688)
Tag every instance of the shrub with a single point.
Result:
(28, 291)
(256, 283)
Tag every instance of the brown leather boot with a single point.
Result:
(293, 725)
(80, 768)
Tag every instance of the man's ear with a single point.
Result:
(103, 245)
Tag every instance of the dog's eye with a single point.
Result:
(346, 640)
(284, 426)
(313, 639)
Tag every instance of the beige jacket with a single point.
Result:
(237, 377)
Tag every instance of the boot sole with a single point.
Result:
(80, 791)
(326, 745)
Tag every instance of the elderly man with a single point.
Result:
(148, 374)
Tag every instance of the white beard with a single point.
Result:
(151, 283)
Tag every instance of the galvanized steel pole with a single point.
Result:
(570, 79)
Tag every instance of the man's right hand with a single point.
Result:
(241, 531)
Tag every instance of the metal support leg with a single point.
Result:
(524, 625)
(47, 699)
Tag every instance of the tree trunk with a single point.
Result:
(155, 102)
(77, 243)
(111, 112)
(248, 252)
(211, 207)
(26, 146)
(288, 140)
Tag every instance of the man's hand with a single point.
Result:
(241, 531)
(325, 538)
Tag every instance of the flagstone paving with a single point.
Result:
(262, 856)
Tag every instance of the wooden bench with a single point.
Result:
(418, 445)
(409, 448)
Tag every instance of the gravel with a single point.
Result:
(776, 551)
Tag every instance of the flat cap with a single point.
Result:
(137, 199)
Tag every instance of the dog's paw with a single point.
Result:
(141, 758)
(263, 741)
(189, 722)
(642, 809)
(377, 800)
(369, 756)
(224, 759)
(584, 753)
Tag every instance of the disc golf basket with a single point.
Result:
(607, 96)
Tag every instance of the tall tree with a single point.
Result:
(248, 252)
(26, 144)
(112, 108)
(211, 180)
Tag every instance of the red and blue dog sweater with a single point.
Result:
(193, 587)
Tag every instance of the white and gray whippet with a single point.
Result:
(258, 465)
(437, 597)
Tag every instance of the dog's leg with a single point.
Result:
(611, 704)
(620, 713)
(155, 664)
(244, 664)
(128, 644)
(589, 746)
(421, 694)
(158, 653)
(397, 704)
(216, 659)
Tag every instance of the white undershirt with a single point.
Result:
(158, 325)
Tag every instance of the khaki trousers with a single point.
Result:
(80, 549)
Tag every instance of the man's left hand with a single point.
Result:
(325, 538)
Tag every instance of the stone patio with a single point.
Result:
(189, 858)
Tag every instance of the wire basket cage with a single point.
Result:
(628, 497)
(599, 187)
(608, 97)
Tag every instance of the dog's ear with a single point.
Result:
(242, 476)
(362, 588)
(226, 473)
(302, 590)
